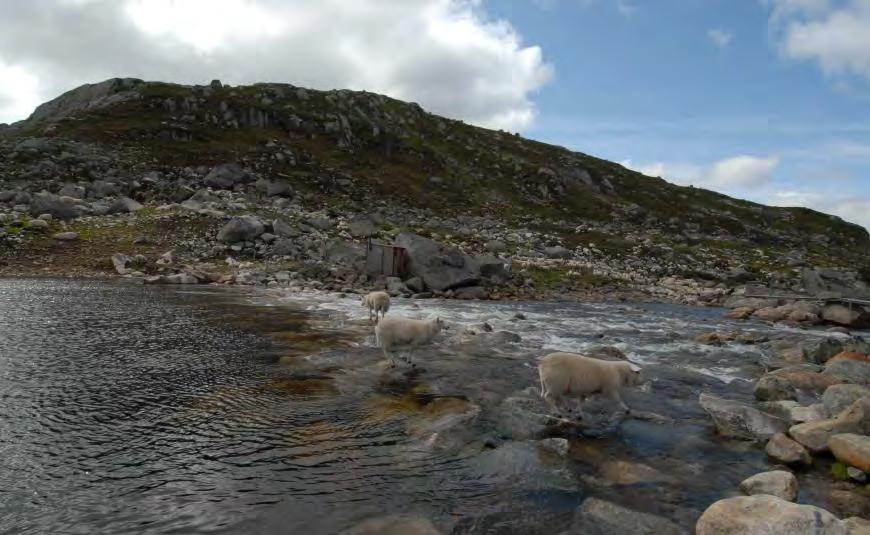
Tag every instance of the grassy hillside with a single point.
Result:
(347, 148)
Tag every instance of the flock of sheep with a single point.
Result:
(563, 375)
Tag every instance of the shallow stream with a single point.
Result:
(141, 409)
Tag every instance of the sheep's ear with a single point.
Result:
(634, 367)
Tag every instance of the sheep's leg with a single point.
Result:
(554, 407)
(614, 395)
(408, 358)
(390, 356)
(579, 404)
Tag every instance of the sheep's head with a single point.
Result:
(363, 300)
(439, 324)
(632, 375)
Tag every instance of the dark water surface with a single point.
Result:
(140, 409)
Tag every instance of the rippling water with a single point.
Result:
(130, 408)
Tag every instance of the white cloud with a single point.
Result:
(735, 172)
(836, 37)
(445, 54)
(853, 209)
(742, 171)
(18, 91)
(719, 37)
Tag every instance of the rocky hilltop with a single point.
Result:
(277, 184)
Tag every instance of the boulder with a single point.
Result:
(777, 483)
(766, 515)
(852, 317)
(346, 254)
(320, 223)
(124, 205)
(405, 524)
(786, 450)
(495, 246)
(600, 517)
(37, 224)
(66, 236)
(225, 176)
(58, 207)
(284, 247)
(849, 355)
(739, 420)
(781, 409)
(814, 435)
(631, 473)
(203, 196)
(851, 449)
(773, 388)
(362, 227)
(439, 268)
(559, 446)
(471, 292)
(238, 229)
(120, 261)
(849, 371)
(279, 188)
(857, 526)
(490, 266)
(809, 413)
(804, 377)
(740, 313)
(557, 251)
(770, 314)
(281, 228)
(72, 190)
(838, 398)
(415, 284)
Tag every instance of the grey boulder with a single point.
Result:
(244, 228)
(225, 176)
(440, 268)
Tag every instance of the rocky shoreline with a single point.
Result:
(808, 418)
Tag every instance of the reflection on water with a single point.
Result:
(131, 408)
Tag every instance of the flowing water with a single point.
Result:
(142, 409)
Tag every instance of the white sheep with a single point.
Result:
(405, 332)
(377, 302)
(569, 374)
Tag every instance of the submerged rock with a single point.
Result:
(777, 483)
(739, 420)
(393, 525)
(766, 515)
(631, 473)
(600, 517)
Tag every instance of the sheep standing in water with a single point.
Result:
(405, 332)
(378, 302)
(570, 374)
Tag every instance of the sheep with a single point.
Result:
(575, 375)
(405, 332)
(377, 302)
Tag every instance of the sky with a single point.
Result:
(767, 100)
